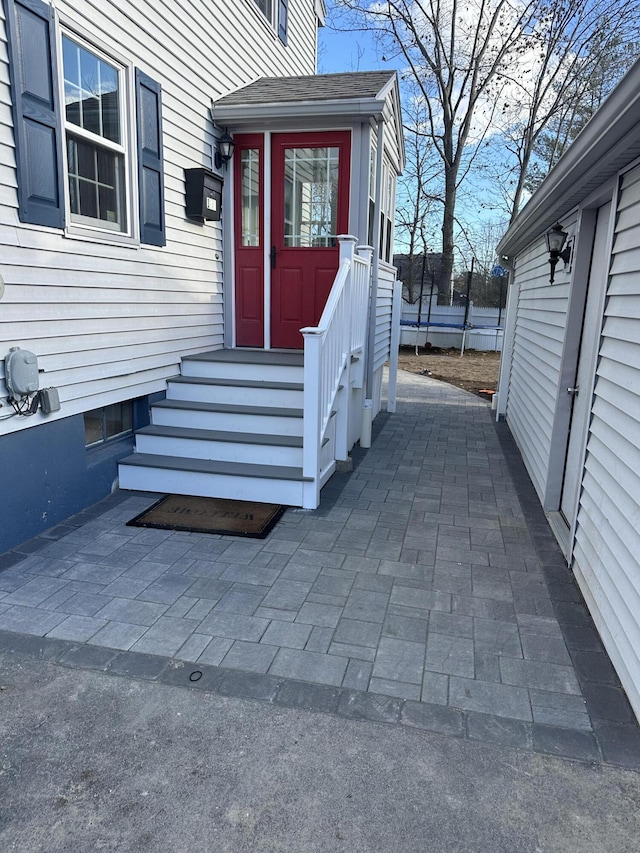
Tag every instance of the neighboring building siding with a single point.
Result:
(110, 322)
(537, 353)
(607, 540)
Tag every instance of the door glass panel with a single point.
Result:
(250, 180)
(310, 197)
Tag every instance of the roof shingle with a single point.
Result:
(316, 87)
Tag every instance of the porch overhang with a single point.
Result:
(320, 100)
(254, 116)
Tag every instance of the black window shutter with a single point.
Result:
(283, 10)
(36, 111)
(150, 160)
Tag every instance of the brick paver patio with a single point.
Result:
(426, 589)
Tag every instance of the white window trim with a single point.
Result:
(126, 77)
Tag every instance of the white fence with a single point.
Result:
(484, 327)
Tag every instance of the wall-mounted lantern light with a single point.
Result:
(225, 150)
(556, 238)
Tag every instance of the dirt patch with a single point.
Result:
(475, 371)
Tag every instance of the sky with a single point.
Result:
(345, 51)
(359, 51)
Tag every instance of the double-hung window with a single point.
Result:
(94, 137)
(76, 166)
(276, 12)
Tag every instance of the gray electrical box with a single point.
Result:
(21, 373)
(49, 401)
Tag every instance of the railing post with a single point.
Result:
(311, 412)
(347, 245)
(347, 252)
(394, 345)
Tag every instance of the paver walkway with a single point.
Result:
(420, 591)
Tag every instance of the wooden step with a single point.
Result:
(226, 445)
(269, 365)
(264, 420)
(223, 390)
(206, 478)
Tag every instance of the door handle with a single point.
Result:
(273, 257)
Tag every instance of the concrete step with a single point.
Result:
(262, 420)
(222, 445)
(223, 390)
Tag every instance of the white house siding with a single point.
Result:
(109, 322)
(607, 541)
(391, 136)
(537, 353)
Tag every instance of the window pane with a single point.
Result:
(74, 194)
(89, 74)
(127, 417)
(96, 184)
(72, 101)
(91, 115)
(71, 61)
(93, 427)
(117, 419)
(86, 159)
(88, 200)
(113, 420)
(91, 91)
(311, 196)
(390, 194)
(372, 211)
(106, 167)
(250, 165)
(109, 422)
(110, 116)
(265, 7)
(108, 204)
(372, 171)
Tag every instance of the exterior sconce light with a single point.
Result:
(556, 238)
(225, 150)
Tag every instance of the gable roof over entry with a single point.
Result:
(355, 96)
(315, 87)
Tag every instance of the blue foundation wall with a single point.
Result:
(48, 474)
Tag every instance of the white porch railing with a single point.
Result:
(328, 351)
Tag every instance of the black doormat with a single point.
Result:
(211, 515)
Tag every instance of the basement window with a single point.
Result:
(109, 422)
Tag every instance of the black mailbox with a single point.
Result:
(203, 194)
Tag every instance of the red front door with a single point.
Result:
(309, 208)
